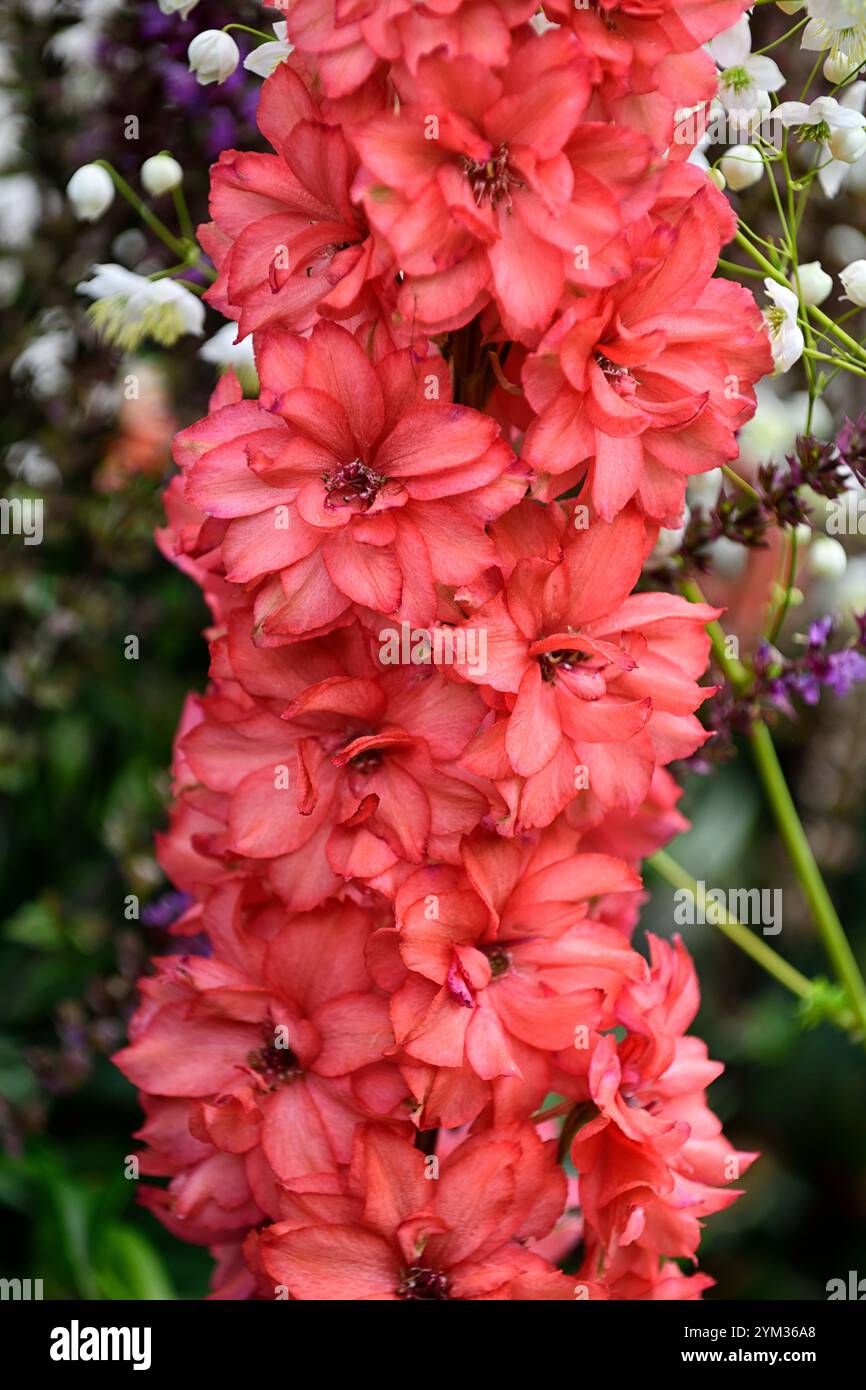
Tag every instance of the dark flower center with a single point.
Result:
(491, 179)
(274, 1064)
(367, 762)
(612, 370)
(353, 485)
(551, 662)
(418, 1282)
(500, 961)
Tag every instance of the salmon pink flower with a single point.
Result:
(645, 383)
(401, 1234)
(481, 173)
(261, 1042)
(592, 687)
(651, 1155)
(359, 776)
(349, 42)
(500, 964)
(362, 484)
(287, 241)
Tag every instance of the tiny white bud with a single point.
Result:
(848, 144)
(815, 284)
(181, 7)
(838, 68)
(718, 179)
(213, 56)
(827, 558)
(160, 174)
(853, 279)
(742, 166)
(790, 6)
(90, 191)
(804, 533)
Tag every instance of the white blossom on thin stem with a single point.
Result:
(786, 336)
(837, 25)
(128, 308)
(213, 56)
(743, 74)
(853, 279)
(267, 57)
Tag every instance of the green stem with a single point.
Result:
(782, 612)
(180, 248)
(764, 955)
(245, 28)
(736, 674)
(740, 482)
(826, 919)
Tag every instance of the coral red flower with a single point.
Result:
(345, 40)
(482, 174)
(645, 383)
(593, 687)
(359, 776)
(361, 484)
(652, 1158)
(493, 965)
(287, 241)
(403, 1233)
(647, 54)
(264, 1045)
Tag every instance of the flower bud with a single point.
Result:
(835, 69)
(718, 179)
(742, 166)
(90, 191)
(213, 56)
(786, 6)
(827, 558)
(848, 144)
(160, 174)
(815, 284)
(853, 279)
(181, 7)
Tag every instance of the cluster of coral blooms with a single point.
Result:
(478, 276)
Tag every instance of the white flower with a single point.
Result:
(815, 284)
(20, 210)
(213, 56)
(827, 558)
(853, 279)
(128, 308)
(838, 127)
(160, 174)
(786, 337)
(817, 121)
(742, 166)
(839, 25)
(743, 74)
(90, 191)
(267, 57)
(181, 7)
(223, 351)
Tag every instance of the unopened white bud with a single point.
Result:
(742, 166)
(160, 174)
(90, 191)
(815, 284)
(213, 56)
